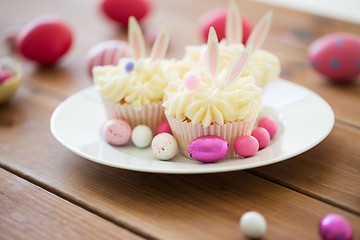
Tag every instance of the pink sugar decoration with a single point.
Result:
(192, 81)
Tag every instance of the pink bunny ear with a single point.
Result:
(161, 44)
(239, 66)
(136, 39)
(233, 30)
(260, 31)
(213, 52)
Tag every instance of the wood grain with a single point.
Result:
(29, 212)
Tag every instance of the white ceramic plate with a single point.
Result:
(304, 119)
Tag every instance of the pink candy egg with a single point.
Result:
(107, 53)
(337, 56)
(262, 136)
(117, 132)
(164, 127)
(217, 19)
(120, 10)
(208, 149)
(45, 39)
(335, 227)
(246, 146)
(192, 81)
(269, 124)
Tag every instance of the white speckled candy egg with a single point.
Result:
(141, 136)
(253, 224)
(164, 146)
(336, 56)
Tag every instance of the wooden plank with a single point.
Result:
(186, 204)
(29, 212)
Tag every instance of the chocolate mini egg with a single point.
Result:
(120, 10)
(337, 56)
(208, 148)
(164, 146)
(253, 224)
(106, 53)
(217, 18)
(334, 226)
(141, 136)
(45, 39)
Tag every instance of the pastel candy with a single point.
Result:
(117, 132)
(335, 227)
(253, 224)
(164, 127)
(120, 10)
(106, 53)
(141, 136)
(337, 56)
(208, 149)
(192, 81)
(246, 146)
(164, 146)
(262, 136)
(269, 124)
(217, 19)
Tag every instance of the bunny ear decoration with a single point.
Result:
(239, 66)
(213, 52)
(136, 39)
(161, 44)
(260, 31)
(233, 28)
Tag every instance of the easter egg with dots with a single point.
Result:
(217, 18)
(117, 132)
(106, 53)
(164, 146)
(45, 39)
(337, 56)
(120, 10)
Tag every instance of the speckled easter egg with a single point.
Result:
(217, 18)
(45, 39)
(120, 10)
(337, 56)
(208, 148)
(106, 53)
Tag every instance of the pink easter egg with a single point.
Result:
(208, 149)
(217, 18)
(117, 132)
(45, 39)
(337, 56)
(192, 81)
(269, 124)
(120, 10)
(262, 136)
(335, 227)
(106, 53)
(246, 146)
(164, 127)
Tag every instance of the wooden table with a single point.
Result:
(47, 192)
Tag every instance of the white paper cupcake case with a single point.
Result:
(185, 132)
(150, 115)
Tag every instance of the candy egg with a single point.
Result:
(208, 148)
(262, 136)
(10, 78)
(45, 39)
(253, 224)
(164, 127)
(117, 132)
(217, 19)
(120, 10)
(269, 124)
(335, 227)
(107, 53)
(164, 146)
(141, 136)
(246, 146)
(337, 56)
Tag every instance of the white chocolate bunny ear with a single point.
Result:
(136, 39)
(233, 30)
(213, 60)
(239, 66)
(161, 44)
(260, 31)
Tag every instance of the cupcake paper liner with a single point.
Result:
(150, 115)
(185, 132)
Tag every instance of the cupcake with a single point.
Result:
(213, 101)
(264, 66)
(10, 78)
(133, 90)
